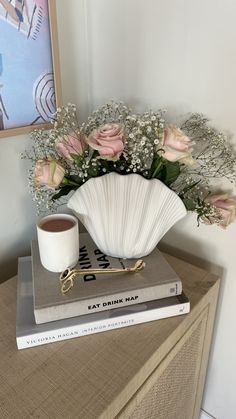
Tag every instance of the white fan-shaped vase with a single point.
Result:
(126, 215)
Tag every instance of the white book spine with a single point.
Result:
(126, 320)
(102, 303)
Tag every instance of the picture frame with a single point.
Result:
(30, 88)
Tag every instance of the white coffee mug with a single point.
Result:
(58, 240)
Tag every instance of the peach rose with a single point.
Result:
(49, 173)
(226, 207)
(108, 140)
(177, 146)
(70, 144)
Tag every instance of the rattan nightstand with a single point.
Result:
(154, 370)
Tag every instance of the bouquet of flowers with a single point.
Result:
(188, 159)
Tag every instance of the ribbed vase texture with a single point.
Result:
(126, 215)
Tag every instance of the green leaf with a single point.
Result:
(78, 159)
(156, 167)
(64, 190)
(189, 204)
(171, 173)
(71, 181)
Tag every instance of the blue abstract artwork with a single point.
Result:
(27, 94)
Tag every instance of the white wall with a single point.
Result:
(156, 53)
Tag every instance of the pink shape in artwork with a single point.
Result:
(43, 4)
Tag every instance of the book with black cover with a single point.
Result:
(92, 293)
(29, 334)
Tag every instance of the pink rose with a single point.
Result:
(49, 173)
(70, 144)
(177, 146)
(226, 207)
(108, 140)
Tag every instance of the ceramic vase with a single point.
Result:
(126, 215)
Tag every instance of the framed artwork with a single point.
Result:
(30, 87)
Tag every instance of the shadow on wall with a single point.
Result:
(200, 262)
(202, 250)
(8, 268)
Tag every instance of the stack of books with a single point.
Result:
(96, 303)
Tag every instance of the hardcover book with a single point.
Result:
(92, 293)
(29, 334)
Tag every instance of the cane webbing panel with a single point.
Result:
(173, 394)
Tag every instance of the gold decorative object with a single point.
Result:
(67, 277)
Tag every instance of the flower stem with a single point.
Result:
(69, 182)
(157, 169)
